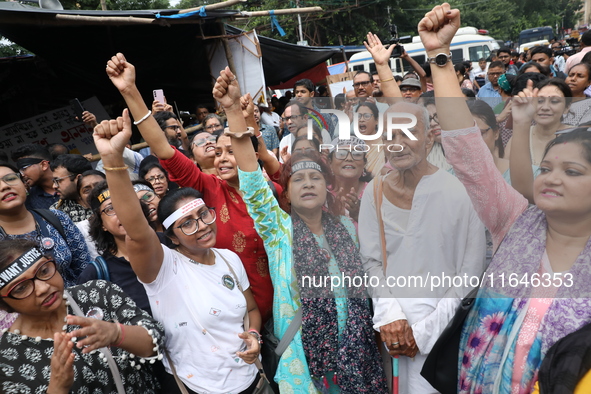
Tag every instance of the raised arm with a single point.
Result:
(417, 69)
(497, 204)
(520, 163)
(270, 162)
(269, 219)
(381, 58)
(143, 246)
(437, 29)
(227, 92)
(122, 74)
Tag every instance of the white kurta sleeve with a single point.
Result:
(386, 307)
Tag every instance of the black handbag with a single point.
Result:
(441, 367)
(273, 348)
(269, 358)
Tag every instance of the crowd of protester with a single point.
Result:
(173, 272)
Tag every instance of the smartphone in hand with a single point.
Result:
(159, 95)
(78, 108)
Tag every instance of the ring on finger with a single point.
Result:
(395, 344)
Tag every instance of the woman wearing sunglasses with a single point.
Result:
(203, 148)
(199, 293)
(42, 354)
(16, 221)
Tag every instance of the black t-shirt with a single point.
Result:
(122, 275)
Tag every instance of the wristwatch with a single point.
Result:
(440, 59)
(239, 134)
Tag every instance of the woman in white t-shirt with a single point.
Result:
(200, 294)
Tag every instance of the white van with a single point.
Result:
(467, 44)
(529, 45)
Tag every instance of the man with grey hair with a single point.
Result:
(430, 229)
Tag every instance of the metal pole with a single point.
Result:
(300, 21)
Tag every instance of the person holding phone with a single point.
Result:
(236, 228)
(200, 293)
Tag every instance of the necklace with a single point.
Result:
(198, 263)
(38, 339)
(46, 243)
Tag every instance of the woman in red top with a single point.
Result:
(235, 227)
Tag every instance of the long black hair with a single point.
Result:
(104, 240)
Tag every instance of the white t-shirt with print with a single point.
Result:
(202, 310)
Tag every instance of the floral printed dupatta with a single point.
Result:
(492, 328)
(488, 346)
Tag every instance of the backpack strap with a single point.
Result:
(102, 270)
(273, 189)
(52, 219)
(293, 327)
(377, 196)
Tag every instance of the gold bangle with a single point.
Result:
(115, 168)
(387, 80)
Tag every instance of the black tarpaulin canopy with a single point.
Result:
(72, 48)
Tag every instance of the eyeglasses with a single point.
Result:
(434, 118)
(365, 116)
(204, 141)
(405, 89)
(484, 131)
(305, 151)
(157, 178)
(26, 287)
(56, 181)
(108, 210)
(175, 127)
(342, 155)
(191, 226)
(286, 118)
(495, 74)
(504, 57)
(22, 170)
(362, 83)
(213, 127)
(148, 196)
(11, 179)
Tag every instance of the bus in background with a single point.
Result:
(468, 44)
(535, 35)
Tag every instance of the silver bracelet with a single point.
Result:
(249, 132)
(144, 118)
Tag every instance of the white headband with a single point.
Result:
(138, 187)
(182, 211)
